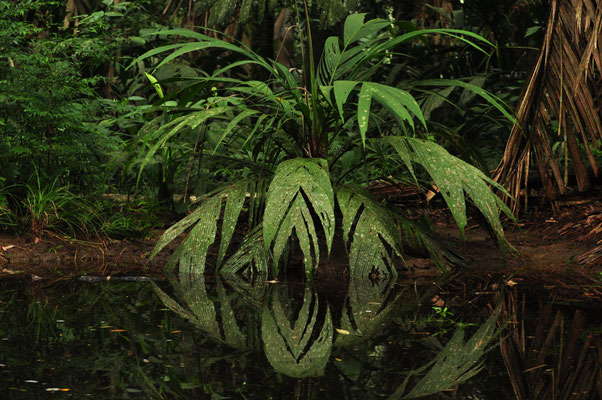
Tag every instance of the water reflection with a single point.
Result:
(247, 338)
(298, 330)
(553, 356)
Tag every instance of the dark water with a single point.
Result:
(231, 338)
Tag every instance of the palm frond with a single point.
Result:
(368, 228)
(300, 189)
(454, 178)
(192, 252)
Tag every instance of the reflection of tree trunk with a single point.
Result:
(562, 89)
(550, 357)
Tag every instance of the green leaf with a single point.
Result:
(375, 229)
(155, 84)
(167, 131)
(453, 178)
(192, 253)
(532, 30)
(233, 123)
(252, 253)
(398, 102)
(330, 59)
(355, 28)
(235, 199)
(490, 98)
(301, 187)
(342, 89)
(363, 110)
(353, 24)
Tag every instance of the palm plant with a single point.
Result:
(305, 154)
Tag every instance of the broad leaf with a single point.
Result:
(342, 89)
(355, 28)
(454, 178)
(192, 252)
(300, 189)
(252, 253)
(398, 102)
(374, 236)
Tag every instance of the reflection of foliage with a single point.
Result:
(366, 310)
(201, 311)
(457, 362)
(296, 351)
(115, 340)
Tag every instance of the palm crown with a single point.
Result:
(306, 151)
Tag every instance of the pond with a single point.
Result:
(196, 337)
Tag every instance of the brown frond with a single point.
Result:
(562, 87)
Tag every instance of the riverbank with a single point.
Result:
(558, 248)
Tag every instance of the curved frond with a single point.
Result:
(157, 138)
(474, 89)
(373, 229)
(300, 189)
(192, 252)
(398, 102)
(252, 253)
(454, 178)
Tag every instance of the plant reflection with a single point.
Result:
(298, 330)
(249, 338)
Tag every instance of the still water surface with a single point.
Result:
(219, 338)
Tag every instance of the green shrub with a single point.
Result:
(304, 153)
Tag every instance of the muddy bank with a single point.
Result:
(557, 246)
(54, 256)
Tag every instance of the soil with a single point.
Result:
(558, 249)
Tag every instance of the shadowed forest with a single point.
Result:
(301, 127)
(357, 148)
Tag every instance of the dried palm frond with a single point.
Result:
(563, 87)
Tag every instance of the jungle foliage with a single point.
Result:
(278, 128)
(306, 153)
